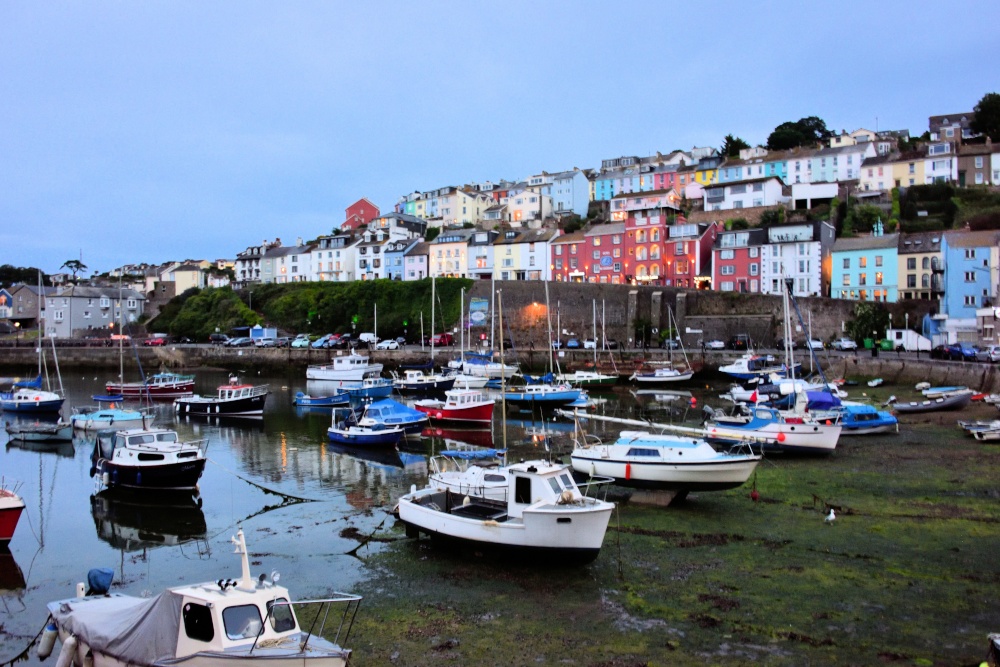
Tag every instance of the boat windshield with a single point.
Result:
(242, 621)
(282, 619)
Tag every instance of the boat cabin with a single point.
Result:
(463, 398)
(145, 445)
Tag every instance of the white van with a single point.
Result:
(368, 337)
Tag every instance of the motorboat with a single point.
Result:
(937, 392)
(475, 472)
(338, 398)
(39, 431)
(390, 413)
(773, 428)
(369, 388)
(235, 399)
(543, 515)
(147, 459)
(971, 427)
(11, 507)
(418, 382)
(459, 406)
(346, 429)
(940, 402)
(645, 460)
(483, 365)
(109, 412)
(350, 368)
(220, 622)
(466, 381)
(662, 375)
(751, 365)
(159, 386)
(864, 419)
(587, 379)
(542, 395)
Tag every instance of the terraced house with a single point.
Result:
(865, 268)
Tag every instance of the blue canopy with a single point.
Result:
(30, 384)
(477, 454)
(548, 378)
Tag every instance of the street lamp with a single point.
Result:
(17, 333)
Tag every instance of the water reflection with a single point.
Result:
(56, 448)
(11, 576)
(136, 522)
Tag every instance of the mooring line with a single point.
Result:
(262, 487)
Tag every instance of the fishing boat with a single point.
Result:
(939, 403)
(11, 507)
(390, 413)
(542, 515)
(369, 388)
(774, 429)
(350, 368)
(220, 622)
(418, 382)
(339, 398)
(161, 385)
(108, 413)
(347, 430)
(543, 395)
(460, 406)
(147, 459)
(235, 399)
(39, 431)
(644, 460)
(483, 365)
(465, 381)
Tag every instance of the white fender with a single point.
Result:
(48, 640)
(84, 656)
(67, 653)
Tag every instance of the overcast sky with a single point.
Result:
(156, 131)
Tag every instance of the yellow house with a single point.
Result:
(707, 175)
(449, 254)
(506, 255)
(908, 169)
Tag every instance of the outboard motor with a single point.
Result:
(99, 580)
(707, 412)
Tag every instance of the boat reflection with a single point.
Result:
(59, 448)
(382, 456)
(468, 436)
(134, 522)
(11, 576)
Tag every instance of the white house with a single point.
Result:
(744, 194)
(796, 252)
(333, 258)
(941, 165)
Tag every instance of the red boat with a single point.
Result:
(161, 385)
(459, 406)
(11, 507)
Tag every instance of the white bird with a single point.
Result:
(830, 517)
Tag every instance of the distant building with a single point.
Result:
(74, 310)
(358, 214)
(865, 268)
(921, 269)
(416, 261)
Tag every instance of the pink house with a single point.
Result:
(359, 213)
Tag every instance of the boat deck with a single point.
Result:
(480, 509)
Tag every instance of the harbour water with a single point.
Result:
(305, 506)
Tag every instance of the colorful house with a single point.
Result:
(395, 255)
(449, 253)
(647, 218)
(865, 268)
(766, 191)
(359, 213)
(566, 257)
(523, 254)
(736, 260)
(416, 260)
(921, 269)
(687, 254)
(971, 282)
(480, 254)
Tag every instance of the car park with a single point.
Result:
(390, 344)
(155, 342)
(266, 341)
(670, 344)
(844, 344)
(590, 344)
(816, 344)
(283, 341)
(240, 341)
(610, 344)
(715, 345)
(218, 338)
(556, 344)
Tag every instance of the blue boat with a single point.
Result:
(28, 396)
(863, 419)
(388, 412)
(345, 430)
(543, 395)
(306, 401)
(109, 413)
(368, 388)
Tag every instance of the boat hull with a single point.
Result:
(431, 387)
(98, 422)
(10, 514)
(388, 438)
(702, 476)
(41, 432)
(239, 407)
(156, 391)
(790, 438)
(180, 476)
(939, 404)
(479, 414)
(31, 406)
(653, 379)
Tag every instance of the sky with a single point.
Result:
(155, 131)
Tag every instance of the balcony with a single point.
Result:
(937, 265)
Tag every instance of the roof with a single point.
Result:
(866, 243)
(78, 291)
(454, 236)
(919, 242)
(610, 228)
(878, 159)
(422, 248)
(574, 237)
(757, 236)
(490, 237)
(968, 239)
(525, 236)
(748, 181)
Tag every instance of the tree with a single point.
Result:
(987, 120)
(871, 319)
(803, 132)
(75, 266)
(731, 146)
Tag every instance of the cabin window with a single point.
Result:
(522, 490)
(198, 622)
(638, 451)
(166, 437)
(494, 478)
(282, 619)
(242, 622)
(566, 481)
(554, 483)
(146, 456)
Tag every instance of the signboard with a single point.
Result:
(479, 309)
(606, 261)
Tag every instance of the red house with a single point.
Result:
(736, 260)
(359, 213)
(594, 256)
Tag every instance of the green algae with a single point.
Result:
(906, 574)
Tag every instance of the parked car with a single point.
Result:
(368, 337)
(156, 341)
(341, 341)
(266, 341)
(573, 344)
(240, 341)
(715, 345)
(816, 344)
(218, 338)
(556, 344)
(780, 344)
(740, 342)
(282, 341)
(321, 342)
(442, 339)
(844, 344)
(962, 352)
(670, 344)
(302, 340)
(939, 352)
(390, 344)
(590, 344)
(610, 344)
(992, 354)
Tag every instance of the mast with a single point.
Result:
(375, 331)
(121, 352)
(433, 293)
(594, 303)
(461, 333)
(493, 310)
(548, 322)
(40, 336)
(503, 377)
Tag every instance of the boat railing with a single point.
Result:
(351, 604)
(598, 484)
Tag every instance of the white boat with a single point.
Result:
(152, 459)
(211, 624)
(936, 402)
(587, 379)
(39, 431)
(662, 376)
(774, 429)
(543, 515)
(482, 365)
(987, 435)
(465, 381)
(350, 368)
(644, 460)
(108, 413)
(471, 472)
(750, 366)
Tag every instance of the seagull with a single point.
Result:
(830, 517)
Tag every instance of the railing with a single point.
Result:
(352, 604)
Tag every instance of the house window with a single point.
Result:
(572, 249)
(979, 162)
(57, 315)
(847, 280)
(878, 260)
(911, 263)
(616, 252)
(597, 241)
(970, 253)
(681, 266)
(754, 252)
(86, 314)
(726, 254)
(970, 276)
(753, 269)
(862, 262)
(597, 254)
(617, 267)
(847, 262)
(911, 280)
(558, 250)
(572, 262)
(862, 278)
(970, 300)
(878, 277)
(728, 270)
(616, 239)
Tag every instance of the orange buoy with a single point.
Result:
(628, 471)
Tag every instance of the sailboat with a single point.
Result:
(589, 379)
(456, 367)
(28, 395)
(666, 374)
(480, 365)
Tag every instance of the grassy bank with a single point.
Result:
(906, 575)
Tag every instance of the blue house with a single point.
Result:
(865, 268)
(971, 277)
(394, 251)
